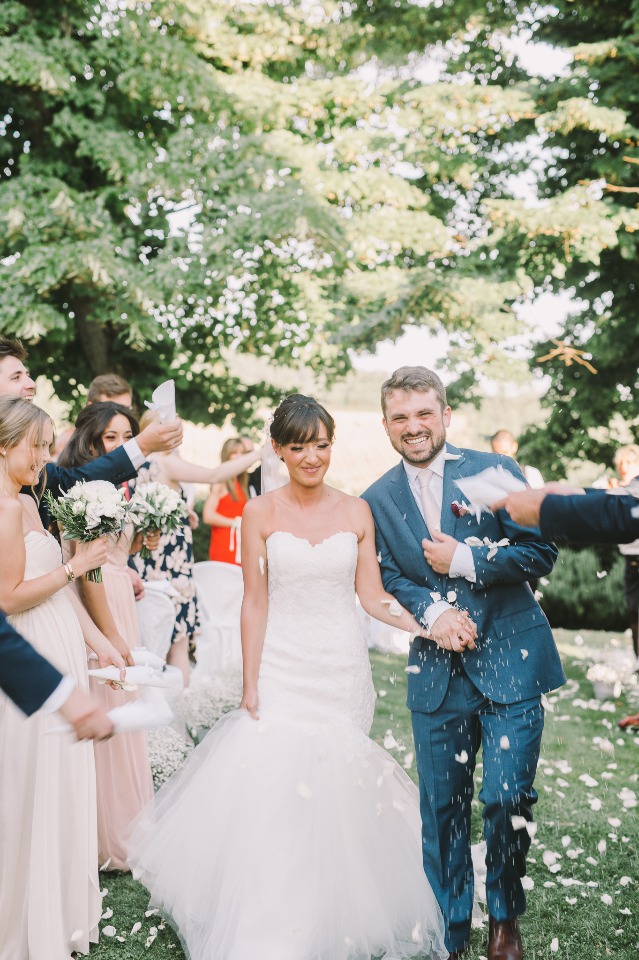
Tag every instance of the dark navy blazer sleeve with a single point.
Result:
(26, 677)
(597, 518)
(115, 467)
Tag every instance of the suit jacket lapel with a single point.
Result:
(452, 470)
(405, 503)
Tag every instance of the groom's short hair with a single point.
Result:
(418, 379)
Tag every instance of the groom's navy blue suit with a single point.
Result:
(491, 695)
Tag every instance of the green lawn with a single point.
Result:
(585, 849)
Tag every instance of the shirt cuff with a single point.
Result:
(135, 455)
(59, 696)
(463, 563)
(433, 612)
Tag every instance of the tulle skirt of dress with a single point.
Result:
(281, 841)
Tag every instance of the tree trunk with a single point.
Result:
(94, 339)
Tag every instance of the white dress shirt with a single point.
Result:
(462, 564)
(59, 696)
(134, 453)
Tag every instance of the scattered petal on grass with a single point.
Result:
(390, 743)
(109, 931)
(554, 945)
(624, 881)
(136, 926)
(606, 898)
(588, 780)
(527, 883)
(108, 913)
(602, 846)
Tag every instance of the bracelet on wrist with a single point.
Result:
(69, 572)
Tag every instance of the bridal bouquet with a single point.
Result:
(88, 510)
(154, 506)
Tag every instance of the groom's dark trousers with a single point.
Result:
(489, 695)
(448, 740)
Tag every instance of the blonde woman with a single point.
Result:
(50, 900)
(224, 506)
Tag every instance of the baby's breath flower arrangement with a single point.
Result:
(154, 506)
(206, 700)
(167, 752)
(88, 510)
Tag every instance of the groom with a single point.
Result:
(442, 562)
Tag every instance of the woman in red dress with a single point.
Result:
(223, 508)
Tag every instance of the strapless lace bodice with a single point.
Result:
(315, 661)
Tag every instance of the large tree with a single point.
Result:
(181, 181)
(570, 223)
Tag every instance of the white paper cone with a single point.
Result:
(163, 401)
(489, 486)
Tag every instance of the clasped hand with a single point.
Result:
(454, 630)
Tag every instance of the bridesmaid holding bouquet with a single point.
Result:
(124, 780)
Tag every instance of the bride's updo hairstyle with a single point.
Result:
(297, 420)
(19, 417)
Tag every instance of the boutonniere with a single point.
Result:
(459, 509)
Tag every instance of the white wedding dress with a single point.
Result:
(295, 837)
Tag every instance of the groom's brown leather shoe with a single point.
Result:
(504, 940)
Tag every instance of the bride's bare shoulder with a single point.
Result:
(260, 510)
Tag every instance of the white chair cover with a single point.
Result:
(220, 588)
(156, 616)
(381, 636)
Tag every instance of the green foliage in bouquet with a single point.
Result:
(154, 506)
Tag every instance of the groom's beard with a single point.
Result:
(424, 453)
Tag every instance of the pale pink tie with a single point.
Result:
(432, 513)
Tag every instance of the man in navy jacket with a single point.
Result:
(565, 514)
(120, 465)
(33, 684)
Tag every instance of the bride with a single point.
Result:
(289, 834)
